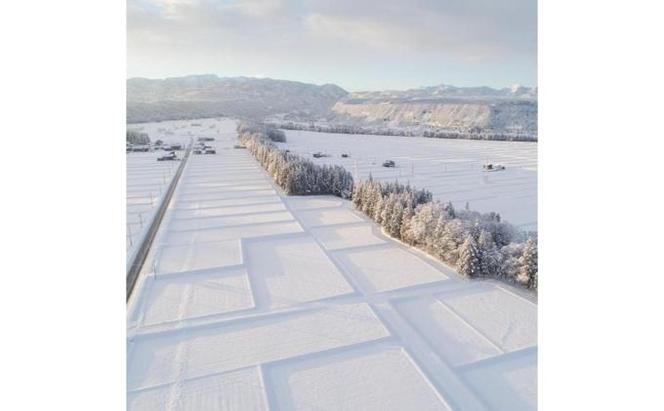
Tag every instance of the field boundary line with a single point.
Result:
(140, 256)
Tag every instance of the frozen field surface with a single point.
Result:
(148, 179)
(252, 300)
(451, 169)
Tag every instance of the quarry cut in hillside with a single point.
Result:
(473, 109)
(505, 113)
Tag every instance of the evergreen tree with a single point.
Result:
(528, 265)
(449, 210)
(490, 257)
(469, 263)
(438, 236)
(452, 238)
(394, 224)
(510, 258)
(423, 223)
(358, 194)
(407, 216)
(368, 202)
(388, 209)
(378, 210)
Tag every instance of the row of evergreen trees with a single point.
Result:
(261, 131)
(478, 134)
(478, 245)
(469, 134)
(137, 137)
(294, 174)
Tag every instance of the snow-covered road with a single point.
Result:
(250, 299)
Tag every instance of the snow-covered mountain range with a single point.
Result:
(510, 110)
(444, 91)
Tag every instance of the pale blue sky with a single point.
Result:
(357, 44)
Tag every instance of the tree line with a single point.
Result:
(245, 128)
(137, 137)
(294, 174)
(479, 245)
(474, 133)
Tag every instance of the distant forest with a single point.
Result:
(136, 137)
(476, 134)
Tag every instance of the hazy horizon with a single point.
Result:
(323, 83)
(371, 45)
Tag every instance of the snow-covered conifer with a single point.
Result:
(394, 223)
(490, 257)
(427, 223)
(388, 209)
(528, 265)
(452, 236)
(378, 210)
(469, 263)
(407, 216)
(358, 194)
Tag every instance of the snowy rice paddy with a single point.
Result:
(148, 179)
(250, 299)
(451, 169)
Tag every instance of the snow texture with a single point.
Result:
(309, 306)
(451, 169)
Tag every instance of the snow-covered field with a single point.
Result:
(451, 169)
(252, 300)
(148, 179)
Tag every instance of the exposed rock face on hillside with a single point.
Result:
(209, 96)
(441, 111)
(476, 109)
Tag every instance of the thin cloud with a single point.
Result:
(236, 37)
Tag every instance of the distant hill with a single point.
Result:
(468, 109)
(467, 112)
(210, 96)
